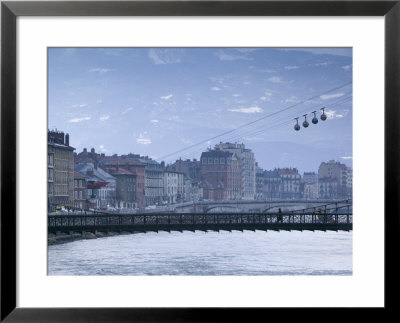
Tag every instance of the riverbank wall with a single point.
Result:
(59, 238)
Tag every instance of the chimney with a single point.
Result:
(84, 150)
(92, 150)
(67, 140)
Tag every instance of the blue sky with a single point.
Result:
(158, 101)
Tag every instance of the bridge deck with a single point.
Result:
(195, 221)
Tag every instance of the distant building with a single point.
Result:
(247, 165)
(290, 183)
(328, 188)
(310, 177)
(191, 168)
(173, 187)
(88, 157)
(101, 186)
(310, 191)
(272, 182)
(221, 175)
(154, 189)
(114, 163)
(349, 184)
(80, 187)
(193, 191)
(309, 186)
(259, 183)
(60, 170)
(337, 172)
(125, 188)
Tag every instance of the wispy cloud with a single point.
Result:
(332, 114)
(100, 70)
(291, 67)
(247, 110)
(167, 97)
(215, 88)
(186, 141)
(347, 67)
(347, 157)
(275, 79)
(246, 49)
(223, 56)
(255, 138)
(322, 64)
(81, 105)
(266, 97)
(154, 121)
(104, 117)
(142, 140)
(174, 118)
(344, 51)
(291, 99)
(127, 110)
(155, 58)
(74, 120)
(165, 56)
(331, 96)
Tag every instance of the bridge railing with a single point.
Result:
(163, 220)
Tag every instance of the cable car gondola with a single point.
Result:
(305, 122)
(296, 126)
(315, 119)
(323, 115)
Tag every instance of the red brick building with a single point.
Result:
(114, 163)
(220, 175)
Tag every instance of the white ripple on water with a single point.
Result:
(211, 253)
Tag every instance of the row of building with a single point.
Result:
(333, 181)
(227, 172)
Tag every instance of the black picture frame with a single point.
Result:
(10, 10)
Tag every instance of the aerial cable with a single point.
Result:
(254, 121)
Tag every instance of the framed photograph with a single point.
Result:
(177, 160)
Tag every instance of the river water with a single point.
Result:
(212, 253)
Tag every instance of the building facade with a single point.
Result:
(114, 163)
(173, 187)
(101, 186)
(247, 164)
(328, 188)
(259, 183)
(80, 189)
(289, 187)
(153, 189)
(125, 189)
(60, 170)
(337, 172)
(191, 168)
(272, 181)
(221, 175)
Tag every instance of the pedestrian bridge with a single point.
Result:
(263, 206)
(148, 222)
